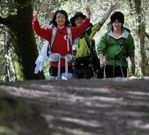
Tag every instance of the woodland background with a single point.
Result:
(19, 45)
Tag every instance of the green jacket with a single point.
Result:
(116, 50)
(80, 44)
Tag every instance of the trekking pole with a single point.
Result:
(59, 69)
(66, 69)
(122, 73)
(104, 66)
(104, 71)
(113, 71)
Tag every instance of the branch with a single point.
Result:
(147, 35)
(27, 4)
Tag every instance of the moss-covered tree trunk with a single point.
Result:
(147, 56)
(141, 33)
(25, 47)
(27, 51)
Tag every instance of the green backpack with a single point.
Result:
(82, 44)
(82, 48)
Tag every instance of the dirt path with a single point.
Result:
(88, 107)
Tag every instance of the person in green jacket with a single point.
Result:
(83, 65)
(114, 48)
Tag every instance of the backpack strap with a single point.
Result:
(69, 34)
(54, 29)
(107, 41)
(52, 40)
(68, 37)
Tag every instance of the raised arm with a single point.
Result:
(78, 31)
(88, 11)
(98, 25)
(44, 33)
(112, 7)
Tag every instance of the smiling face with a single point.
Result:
(79, 21)
(117, 26)
(60, 19)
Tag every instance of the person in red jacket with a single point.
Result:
(61, 45)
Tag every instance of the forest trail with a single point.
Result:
(78, 107)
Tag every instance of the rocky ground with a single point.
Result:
(77, 107)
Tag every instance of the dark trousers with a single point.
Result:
(84, 72)
(112, 71)
(54, 70)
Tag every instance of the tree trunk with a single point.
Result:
(141, 33)
(25, 46)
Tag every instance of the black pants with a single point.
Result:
(84, 72)
(112, 71)
(54, 70)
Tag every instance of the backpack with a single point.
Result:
(53, 37)
(83, 50)
(93, 58)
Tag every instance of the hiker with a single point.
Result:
(115, 46)
(84, 47)
(60, 49)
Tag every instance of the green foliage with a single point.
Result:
(7, 7)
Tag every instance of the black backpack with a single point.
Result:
(93, 58)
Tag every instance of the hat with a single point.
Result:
(78, 14)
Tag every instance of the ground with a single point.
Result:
(76, 107)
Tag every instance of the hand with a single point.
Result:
(101, 63)
(49, 14)
(88, 12)
(44, 7)
(35, 15)
(102, 60)
(114, 6)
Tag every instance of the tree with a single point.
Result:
(17, 16)
(141, 12)
(19, 23)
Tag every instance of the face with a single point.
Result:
(60, 19)
(117, 25)
(79, 21)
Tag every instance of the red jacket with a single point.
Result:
(60, 43)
